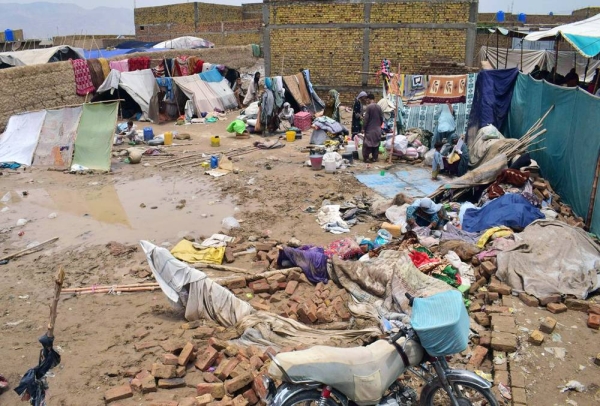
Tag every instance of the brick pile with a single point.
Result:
(543, 191)
(219, 372)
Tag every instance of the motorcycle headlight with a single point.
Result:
(267, 393)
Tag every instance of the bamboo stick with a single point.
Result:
(59, 278)
(27, 250)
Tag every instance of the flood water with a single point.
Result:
(111, 211)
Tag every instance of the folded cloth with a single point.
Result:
(186, 251)
(140, 63)
(83, 78)
(121, 66)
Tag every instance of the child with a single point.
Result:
(437, 164)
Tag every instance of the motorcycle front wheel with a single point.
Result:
(466, 393)
(308, 398)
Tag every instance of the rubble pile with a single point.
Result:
(543, 191)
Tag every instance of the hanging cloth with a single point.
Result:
(83, 78)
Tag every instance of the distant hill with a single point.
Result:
(40, 20)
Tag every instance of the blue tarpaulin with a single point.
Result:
(568, 151)
(212, 75)
(511, 210)
(103, 53)
(412, 181)
(493, 94)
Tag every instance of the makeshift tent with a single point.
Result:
(197, 90)
(95, 136)
(18, 142)
(185, 43)
(103, 53)
(57, 137)
(568, 152)
(140, 85)
(584, 35)
(40, 56)
(544, 59)
(224, 93)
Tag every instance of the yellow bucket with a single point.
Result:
(291, 136)
(215, 141)
(168, 138)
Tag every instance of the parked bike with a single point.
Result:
(366, 376)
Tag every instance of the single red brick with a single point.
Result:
(229, 366)
(251, 397)
(556, 308)
(118, 393)
(594, 321)
(216, 390)
(186, 354)
(237, 383)
(206, 359)
(477, 356)
(169, 359)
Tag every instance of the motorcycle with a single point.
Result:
(368, 376)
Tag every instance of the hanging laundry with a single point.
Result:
(181, 66)
(83, 78)
(121, 66)
(140, 63)
(96, 72)
(105, 66)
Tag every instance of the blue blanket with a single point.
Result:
(511, 210)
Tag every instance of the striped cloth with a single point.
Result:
(83, 78)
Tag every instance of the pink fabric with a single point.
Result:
(83, 77)
(122, 65)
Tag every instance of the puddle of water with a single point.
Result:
(102, 213)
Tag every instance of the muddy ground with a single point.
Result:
(95, 332)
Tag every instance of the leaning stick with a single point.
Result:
(29, 250)
(58, 282)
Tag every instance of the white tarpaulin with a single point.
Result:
(544, 59)
(57, 137)
(197, 90)
(224, 93)
(582, 35)
(140, 85)
(18, 142)
(185, 43)
(36, 56)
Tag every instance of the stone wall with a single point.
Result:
(220, 24)
(338, 40)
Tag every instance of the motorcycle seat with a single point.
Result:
(362, 374)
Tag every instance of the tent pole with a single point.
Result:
(497, 48)
(170, 75)
(590, 213)
(587, 66)
(556, 41)
(596, 85)
(508, 44)
(397, 78)
(487, 47)
(522, 41)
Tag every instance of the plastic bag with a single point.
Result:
(429, 157)
(383, 237)
(400, 144)
(489, 132)
(453, 157)
(230, 223)
(6, 198)
(333, 157)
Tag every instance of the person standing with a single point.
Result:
(357, 112)
(373, 121)
(438, 163)
(332, 106)
(252, 93)
(446, 124)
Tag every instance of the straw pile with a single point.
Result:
(30, 88)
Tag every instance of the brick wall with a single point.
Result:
(338, 39)
(512, 19)
(220, 24)
(17, 35)
(586, 12)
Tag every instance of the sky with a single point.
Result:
(528, 6)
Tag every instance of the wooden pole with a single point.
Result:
(497, 48)
(597, 81)
(508, 44)
(522, 41)
(395, 115)
(556, 57)
(28, 250)
(590, 213)
(58, 282)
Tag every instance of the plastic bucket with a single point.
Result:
(214, 162)
(351, 147)
(330, 166)
(168, 137)
(215, 141)
(290, 136)
(316, 162)
(360, 154)
(148, 133)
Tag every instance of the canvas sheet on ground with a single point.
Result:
(55, 146)
(95, 136)
(413, 182)
(18, 142)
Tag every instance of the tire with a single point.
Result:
(442, 399)
(308, 398)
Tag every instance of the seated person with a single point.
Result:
(426, 213)
(287, 114)
(129, 131)
(238, 91)
(460, 167)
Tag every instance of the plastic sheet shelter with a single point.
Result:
(40, 56)
(584, 35)
(185, 43)
(95, 136)
(57, 138)
(224, 93)
(140, 85)
(571, 142)
(197, 90)
(18, 142)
